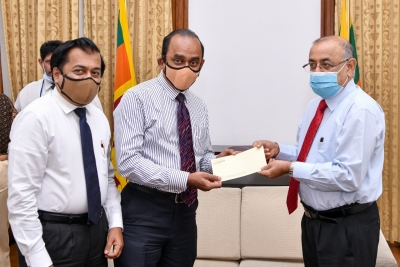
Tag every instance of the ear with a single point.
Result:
(40, 61)
(57, 75)
(160, 63)
(202, 63)
(351, 67)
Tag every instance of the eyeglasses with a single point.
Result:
(324, 66)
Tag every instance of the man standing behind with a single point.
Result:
(163, 147)
(337, 165)
(64, 208)
(45, 85)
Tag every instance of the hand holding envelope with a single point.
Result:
(242, 164)
(275, 168)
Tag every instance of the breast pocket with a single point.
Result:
(326, 151)
(102, 159)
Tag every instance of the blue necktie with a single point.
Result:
(188, 162)
(89, 164)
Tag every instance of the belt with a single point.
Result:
(330, 215)
(45, 216)
(156, 193)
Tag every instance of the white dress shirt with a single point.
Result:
(40, 88)
(147, 139)
(345, 161)
(46, 170)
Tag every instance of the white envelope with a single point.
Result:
(242, 164)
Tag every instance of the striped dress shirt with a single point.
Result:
(147, 140)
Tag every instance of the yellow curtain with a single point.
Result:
(28, 24)
(377, 33)
(100, 25)
(149, 22)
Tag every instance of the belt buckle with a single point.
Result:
(70, 218)
(178, 199)
(307, 213)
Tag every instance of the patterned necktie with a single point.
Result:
(292, 200)
(188, 163)
(89, 165)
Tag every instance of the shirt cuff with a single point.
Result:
(285, 153)
(178, 181)
(115, 220)
(302, 170)
(40, 259)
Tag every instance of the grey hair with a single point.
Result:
(348, 50)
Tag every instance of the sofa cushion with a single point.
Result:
(268, 231)
(266, 263)
(385, 257)
(215, 263)
(218, 224)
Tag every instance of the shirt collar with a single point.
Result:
(66, 106)
(335, 101)
(171, 92)
(47, 85)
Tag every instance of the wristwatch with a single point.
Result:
(291, 168)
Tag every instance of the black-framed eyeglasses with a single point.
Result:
(325, 66)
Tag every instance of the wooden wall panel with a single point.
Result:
(180, 14)
(327, 17)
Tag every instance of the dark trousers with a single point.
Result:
(21, 259)
(353, 241)
(157, 231)
(76, 245)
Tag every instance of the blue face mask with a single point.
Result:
(48, 78)
(325, 84)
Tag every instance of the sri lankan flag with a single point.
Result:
(124, 75)
(346, 31)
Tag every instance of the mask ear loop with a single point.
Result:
(347, 77)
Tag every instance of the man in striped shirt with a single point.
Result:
(159, 229)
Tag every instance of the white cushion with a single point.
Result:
(218, 224)
(215, 263)
(385, 257)
(268, 231)
(266, 263)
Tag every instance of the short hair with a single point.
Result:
(60, 55)
(348, 50)
(48, 48)
(181, 32)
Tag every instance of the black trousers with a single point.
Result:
(353, 241)
(76, 245)
(157, 231)
(21, 259)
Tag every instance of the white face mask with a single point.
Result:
(47, 77)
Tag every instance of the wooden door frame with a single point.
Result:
(180, 16)
(327, 17)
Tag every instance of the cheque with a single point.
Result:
(242, 164)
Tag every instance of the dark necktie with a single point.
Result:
(188, 163)
(292, 197)
(89, 164)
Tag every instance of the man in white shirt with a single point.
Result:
(338, 171)
(45, 85)
(64, 207)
